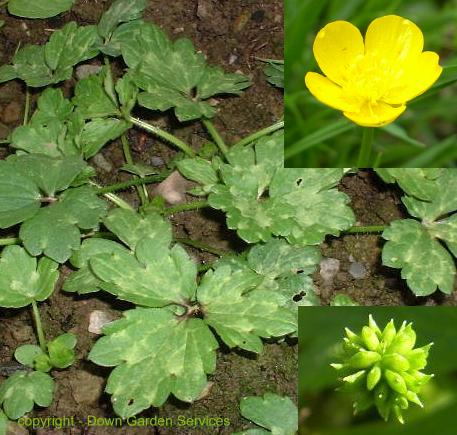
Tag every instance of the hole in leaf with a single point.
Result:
(298, 297)
(299, 182)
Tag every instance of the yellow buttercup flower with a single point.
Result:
(371, 81)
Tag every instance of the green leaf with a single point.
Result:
(170, 72)
(27, 353)
(155, 278)
(21, 390)
(238, 313)
(83, 280)
(342, 300)
(169, 356)
(19, 196)
(30, 65)
(22, 280)
(425, 263)
(275, 72)
(127, 92)
(51, 175)
(37, 138)
(91, 99)
(3, 421)
(52, 106)
(121, 11)
(7, 73)
(69, 46)
(139, 169)
(61, 353)
(131, 228)
(262, 199)
(418, 182)
(275, 413)
(98, 132)
(199, 170)
(53, 62)
(38, 8)
(54, 230)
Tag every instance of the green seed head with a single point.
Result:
(382, 368)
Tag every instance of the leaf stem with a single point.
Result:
(185, 207)
(258, 134)
(162, 134)
(202, 246)
(9, 241)
(366, 229)
(364, 160)
(141, 189)
(27, 106)
(39, 327)
(215, 136)
(113, 198)
(133, 182)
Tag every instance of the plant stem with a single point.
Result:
(39, 328)
(142, 191)
(114, 198)
(27, 106)
(202, 246)
(215, 135)
(364, 160)
(4, 3)
(4, 142)
(366, 229)
(185, 207)
(133, 182)
(258, 134)
(162, 134)
(9, 241)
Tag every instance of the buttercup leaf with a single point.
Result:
(277, 414)
(21, 390)
(261, 198)
(38, 8)
(156, 354)
(55, 230)
(23, 280)
(415, 246)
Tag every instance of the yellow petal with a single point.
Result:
(418, 77)
(394, 38)
(336, 47)
(327, 92)
(375, 115)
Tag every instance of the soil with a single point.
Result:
(232, 34)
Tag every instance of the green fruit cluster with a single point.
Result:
(382, 368)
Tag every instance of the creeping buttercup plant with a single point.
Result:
(383, 369)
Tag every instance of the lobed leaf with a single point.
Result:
(239, 312)
(23, 280)
(21, 390)
(425, 263)
(262, 199)
(156, 355)
(277, 414)
(55, 230)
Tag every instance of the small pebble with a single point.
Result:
(100, 161)
(84, 71)
(157, 161)
(173, 188)
(358, 270)
(329, 267)
(97, 320)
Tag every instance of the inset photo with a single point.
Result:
(377, 370)
(370, 84)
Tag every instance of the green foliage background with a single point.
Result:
(318, 136)
(321, 330)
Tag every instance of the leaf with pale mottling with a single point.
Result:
(23, 280)
(22, 390)
(156, 354)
